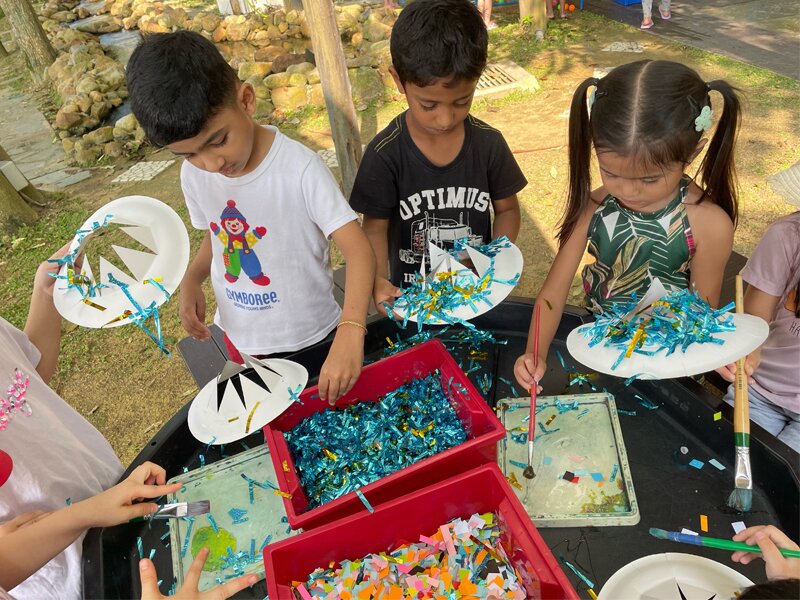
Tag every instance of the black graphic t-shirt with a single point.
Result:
(426, 203)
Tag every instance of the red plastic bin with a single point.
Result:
(479, 490)
(482, 427)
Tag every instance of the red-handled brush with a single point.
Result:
(528, 472)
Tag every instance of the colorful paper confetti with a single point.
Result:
(462, 559)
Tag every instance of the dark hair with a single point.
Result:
(176, 82)
(432, 39)
(646, 110)
(777, 589)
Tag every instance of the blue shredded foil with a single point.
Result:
(434, 299)
(673, 323)
(337, 451)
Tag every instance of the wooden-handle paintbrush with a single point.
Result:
(741, 497)
(528, 472)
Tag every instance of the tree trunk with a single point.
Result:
(30, 36)
(292, 5)
(536, 10)
(14, 211)
(329, 57)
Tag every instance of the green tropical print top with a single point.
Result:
(633, 248)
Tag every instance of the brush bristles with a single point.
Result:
(200, 507)
(741, 499)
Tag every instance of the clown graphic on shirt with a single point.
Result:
(234, 233)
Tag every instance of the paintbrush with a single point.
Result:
(528, 472)
(741, 497)
(709, 542)
(176, 510)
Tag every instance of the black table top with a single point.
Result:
(671, 495)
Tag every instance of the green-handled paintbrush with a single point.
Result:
(709, 542)
(741, 497)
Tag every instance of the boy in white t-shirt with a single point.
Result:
(268, 204)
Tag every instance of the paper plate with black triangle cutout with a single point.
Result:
(244, 398)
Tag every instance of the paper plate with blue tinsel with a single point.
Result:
(665, 335)
(453, 292)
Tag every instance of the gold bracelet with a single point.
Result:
(356, 323)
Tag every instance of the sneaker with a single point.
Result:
(665, 14)
(647, 24)
(491, 25)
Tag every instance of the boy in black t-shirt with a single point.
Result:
(434, 173)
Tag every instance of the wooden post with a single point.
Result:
(14, 211)
(536, 10)
(30, 192)
(30, 36)
(329, 56)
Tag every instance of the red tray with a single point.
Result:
(482, 489)
(483, 430)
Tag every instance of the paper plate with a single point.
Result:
(152, 224)
(750, 333)
(244, 398)
(507, 266)
(672, 576)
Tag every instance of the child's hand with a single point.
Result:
(769, 539)
(44, 280)
(189, 591)
(384, 291)
(343, 364)
(525, 372)
(728, 372)
(119, 504)
(192, 310)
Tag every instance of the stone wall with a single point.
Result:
(270, 50)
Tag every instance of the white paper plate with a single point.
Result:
(155, 226)
(507, 265)
(230, 422)
(658, 577)
(749, 334)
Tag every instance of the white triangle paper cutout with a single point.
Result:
(480, 260)
(610, 221)
(664, 222)
(437, 255)
(138, 262)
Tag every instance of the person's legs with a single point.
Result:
(771, 417)
(548, 5)
(663, 9)
(790, 435)
(647, 10)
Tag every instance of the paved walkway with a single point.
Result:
(764, 33)
(29, 139)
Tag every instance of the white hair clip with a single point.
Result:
(703, 120)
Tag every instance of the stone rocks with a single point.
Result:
(250, 69)
(277, 80)
(99, 24)
(281, 63)
(289, 98)
(100, 136)
(366, 84)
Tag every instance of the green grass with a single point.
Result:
(29, 246)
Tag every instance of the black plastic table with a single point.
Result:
(671, 495)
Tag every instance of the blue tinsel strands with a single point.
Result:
(338, 451)
(674, 322)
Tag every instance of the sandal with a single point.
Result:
(647, 24)
(665, 15)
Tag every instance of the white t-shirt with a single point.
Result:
(57, 454)
(270, 265)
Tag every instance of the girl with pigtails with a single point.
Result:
(647, 122)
